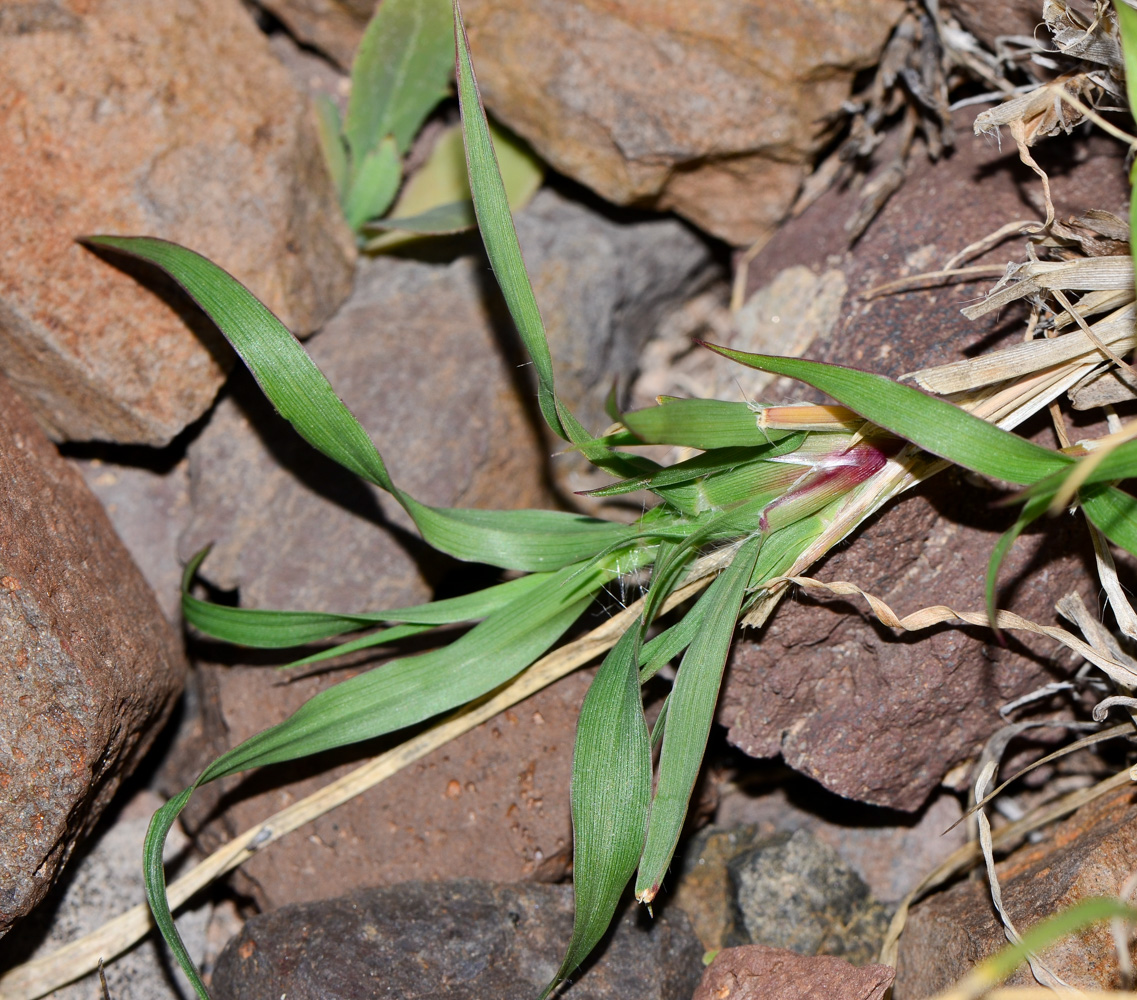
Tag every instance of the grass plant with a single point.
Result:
(402, 70)
(772, 489)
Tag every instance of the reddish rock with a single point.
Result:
(493, 803)
(180, 124)
(89, 667)
(1093, 853)
(988, 20)
(756, 972)
(873, 716)
(714, 110)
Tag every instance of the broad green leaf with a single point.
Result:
(329, 129)
(1121, 463)
(700, 423)
(401, 71)
(669, 643)
(934, 424)
(441, 220)
(436, 198)
(374, 182)
(527, 540)
(611, 784)
(154, 876)
(690, 710)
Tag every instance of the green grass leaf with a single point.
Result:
(495, 222)
(401, 71)
(700, 423)
(526, 540)
(267, 629)
(374, 183)
(398, 694)
(611, 784)
(934, 424)
(1114, 513)
(690, 710)
(436, 198)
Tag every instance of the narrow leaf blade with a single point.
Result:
(934, 424)
(690, 709)
(611, 785)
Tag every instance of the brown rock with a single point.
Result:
(988, 20)
(493, 803)
(1092, 853)
(179, 124)
(872, 716)
(90, 668)
(712, 110)
(756, 972)
(332, 26)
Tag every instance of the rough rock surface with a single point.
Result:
(604, 280)
(755, 972)
(90, 665)
(793, 891)
(332, 26)
(493, 803)
(890, 851)
(181, 125)
(1093, 853)
(872, 716)
(712, 109)
(465, 940)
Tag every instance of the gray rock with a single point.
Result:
(603, 287)
(89, 667)
(139, 125)
(463, 940)
(795, 892)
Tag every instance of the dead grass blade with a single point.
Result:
(1004, 838)
(1116, 670)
